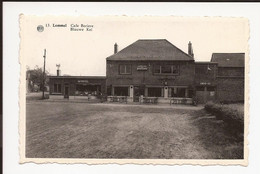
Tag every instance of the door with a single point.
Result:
(66, 91)
(136, 93)
(210, 93)
(205, 94)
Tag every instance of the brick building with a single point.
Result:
(151, 68)
(158, 69)
(230, 77)
(205, 81)
(76, 87)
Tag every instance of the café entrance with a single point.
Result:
(138, 91)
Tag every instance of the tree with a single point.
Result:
(35, 76)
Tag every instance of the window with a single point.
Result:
(121, 91)
(155, 92)
(175, 69)
(166, 69)
(86, 89)
(125, 69)
(210, 88)
(157, 69)
(57, 88)
(200, 88)
(205, 70)
(179, 92)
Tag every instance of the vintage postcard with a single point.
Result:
(141, 90)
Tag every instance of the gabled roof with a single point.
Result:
(151, 49)
(229, 59)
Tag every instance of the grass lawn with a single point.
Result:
(82, 130)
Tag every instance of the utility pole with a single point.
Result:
(43, 80)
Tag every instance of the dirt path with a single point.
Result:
(80, 130)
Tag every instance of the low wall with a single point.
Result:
(130, 99)
(162, 100)
(182, 101)
(83, 97)
(119, 99)
(56, 97)
(72, 97)
(124, 99)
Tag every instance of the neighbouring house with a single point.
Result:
(76, 87)
(230, 77)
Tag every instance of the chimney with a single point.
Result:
(58, 72)
(115, 48)
(58, 69)
(190, 50)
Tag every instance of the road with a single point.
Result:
(84, 130)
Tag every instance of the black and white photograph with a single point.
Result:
(130, 87)
(122, 89)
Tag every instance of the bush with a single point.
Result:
(232, 116)
(214, 109)
(232, 102)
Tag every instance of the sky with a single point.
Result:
(83, 53)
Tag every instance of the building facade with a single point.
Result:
(151, 68)
(76, 87)
(205, 81)
(158, 69)
(230, 77)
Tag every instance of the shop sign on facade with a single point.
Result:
(82, 81)
(205, 83)
(142, 68)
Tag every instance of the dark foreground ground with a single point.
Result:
(85, 130)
